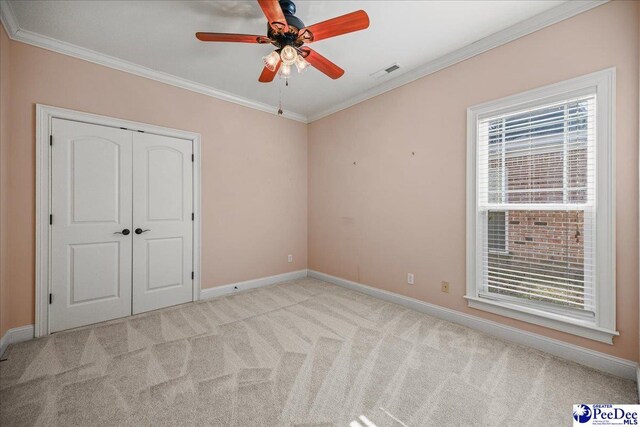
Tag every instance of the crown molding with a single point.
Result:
(552, 16)
(563, 11)
(29, 37)
(8, 18)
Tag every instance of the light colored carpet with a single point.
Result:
(298, 353)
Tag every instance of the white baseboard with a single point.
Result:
(25, 333)
(251, 284)
(604, 362)
(594, 359)
(15, 335)
(638, 382)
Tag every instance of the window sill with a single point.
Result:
(539, 317)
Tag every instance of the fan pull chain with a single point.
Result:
(280, 111)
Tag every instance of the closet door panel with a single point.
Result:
(91, 195)
(162, 208)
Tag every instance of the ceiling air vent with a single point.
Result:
(385, 71)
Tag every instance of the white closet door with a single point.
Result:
(162, 208)
(91, 204)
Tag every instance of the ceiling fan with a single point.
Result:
(289, 34)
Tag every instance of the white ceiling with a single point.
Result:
(160, 35)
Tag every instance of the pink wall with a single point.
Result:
(372, 222)
(394, 212)
(254, 184)
(4, 140)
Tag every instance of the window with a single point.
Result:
(540, 210)
(497, 231)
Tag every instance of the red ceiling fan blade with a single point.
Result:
(322, 63)
(235, 38)
(267, 75)
(354, 21)
(273, 12)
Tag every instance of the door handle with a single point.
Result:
(125, 232)
(140, 230)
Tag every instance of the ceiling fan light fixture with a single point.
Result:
(285, 71)
(271, 60)
(301, 64)
(288, 55)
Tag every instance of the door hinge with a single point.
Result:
(193, 275)
(50, 298)
(193, 157)
(51, 140)
(193, 216)
(50, 219)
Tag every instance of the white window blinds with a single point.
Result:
(536, 205)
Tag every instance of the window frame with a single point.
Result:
(602, 326)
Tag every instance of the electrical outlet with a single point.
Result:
(290, 258)
(445, 287)
(410, 278)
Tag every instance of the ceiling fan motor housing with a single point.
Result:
(290, 38)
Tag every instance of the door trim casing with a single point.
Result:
(44, 116)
